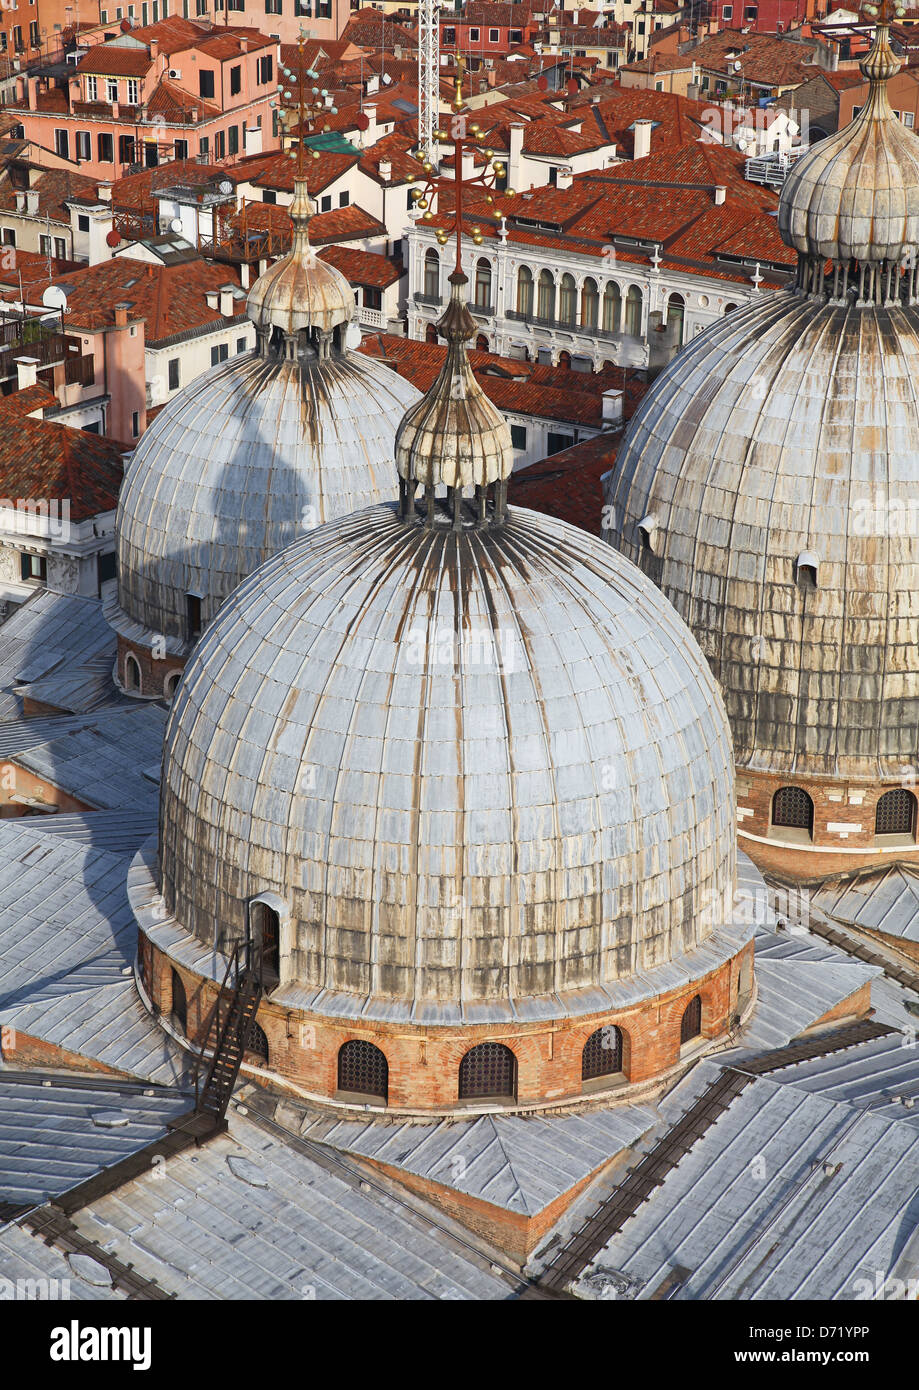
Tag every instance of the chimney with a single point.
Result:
(720, 194)
(26, 372)
(32, 202)
(226, 301)
(243, 44)
(385, 168)
(20, 201)
(694, 91)
(211, 298)
(104, 192)
(563, 176)
(154, 48)
(515, 155)
(612, 409)
(641, 146)
(121, 315)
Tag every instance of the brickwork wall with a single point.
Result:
(424, 1063)
(835, 803)
(22, 1050)
(153, 673)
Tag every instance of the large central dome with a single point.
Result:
(473, 765)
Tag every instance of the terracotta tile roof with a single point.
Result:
(363, 267)
(30, 398)
(53, 187)
(173, 103)
(396, 147)
(765, 58)
(567, 485)
(527, 388)
(39, 458)
(173, 34)
(223, 43)
(169, 298)
(366, 27)
(352, 223)
(112, 60)
(278, 170)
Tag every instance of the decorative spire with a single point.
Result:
(853, 200)
(454, 436)
(301, 292)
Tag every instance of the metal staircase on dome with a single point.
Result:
(231, 1030)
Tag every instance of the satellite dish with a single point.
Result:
(176, 224)
(225, 187)
(54, 298)
(386, 79)
(352, 336)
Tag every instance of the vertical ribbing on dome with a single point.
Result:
(853, 200)
(454, 436)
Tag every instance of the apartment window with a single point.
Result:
(173, 372)
(236, 80)
(17, 38)
(266, 65)
(111, 89)
(180, 149)
(233, 140)
(62, 144)
(494, 35)
(303, 7)
(373, 297)
(269, 195)
(323, 9)
(60, 248)
(9, 236)
(219, 353)
(34, 38)
(103, 16)
(519, 436)
(204, 146)
(34, 567)
(84, 146)
(658, 86)
(135, 424)
(555, 443)
(44, 246)
(727, 12)
(344, 199)
(205, 84)
(473, 35)
(240, 345)
(133, 91)
(749, 14)
(515, 35)
(326, 204)
(449, 37)
(220, 145)
(273, 7)
(909, 119)
(106, 148)
(126, 149)
(3, 41)
(82, 223)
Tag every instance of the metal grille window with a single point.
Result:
(363, 1068)
(488, 1070)
(691, 1022)
(791, 806)
(602, 1055)
(179, 1003)
(257, 1042)
(896, 813)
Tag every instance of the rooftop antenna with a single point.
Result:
(428, 78)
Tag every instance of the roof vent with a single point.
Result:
(648, 531)
(807, 568)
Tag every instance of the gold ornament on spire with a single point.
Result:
(303, 108)
(464, 135)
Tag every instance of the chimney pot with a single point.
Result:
(121, 315)
(26, 372)
(720, 194)
(641, 132)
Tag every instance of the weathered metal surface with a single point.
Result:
(790, 427)
(855, 196)
(300, 290)
(476, 766)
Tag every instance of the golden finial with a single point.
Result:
(306, 109)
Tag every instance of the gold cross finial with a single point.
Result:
(306, 107)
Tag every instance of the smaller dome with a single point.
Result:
(454, 435)
(300, 290)
(855, 196)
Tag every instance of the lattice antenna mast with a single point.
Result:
(463, 135)
(428, 78)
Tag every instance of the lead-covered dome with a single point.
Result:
(254, 452)
(473, 764)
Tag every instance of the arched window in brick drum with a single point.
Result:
(257, 1041)
(602, 1055)
(363, 1068)
(488, 1070)
(179, 1003)
(691, 1022)
(896, 813)
(792, 807)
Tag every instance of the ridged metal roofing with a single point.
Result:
(477, 766)
(790, 427)
(240, 463)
